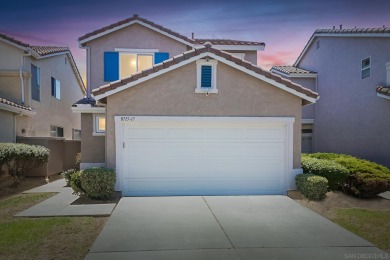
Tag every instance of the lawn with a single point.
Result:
(372, 225)
(44, 238)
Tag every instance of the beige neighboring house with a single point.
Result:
(181, 116)
(38, 84)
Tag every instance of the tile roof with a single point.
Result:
(13, 104)
(46, 50)
(135, 17)
(195, 52)
(87, 101)
(291, 70)
(383, 90)
(13, 40)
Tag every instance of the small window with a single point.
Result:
(366, 67)
(132, 62)
(35, 83)
(55, 88)
(206, 76)
(76, 134)
(56, 131)
(99, 124)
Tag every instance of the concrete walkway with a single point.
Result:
(59, 205)
(231, 227)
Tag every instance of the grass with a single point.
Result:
(44, 238)
(372, 225)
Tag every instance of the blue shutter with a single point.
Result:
(206, 76)
(111, 66)
(160, 57)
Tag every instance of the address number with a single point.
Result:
(127, 118)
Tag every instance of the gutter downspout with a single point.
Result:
(88, 71)
(21, 74)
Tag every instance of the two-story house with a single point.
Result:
(38, 84)
(350, 70)
(182, 116)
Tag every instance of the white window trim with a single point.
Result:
(95, 125)
(210, 62)
(136, 50)
(368, 67)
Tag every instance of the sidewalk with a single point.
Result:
(59, 205)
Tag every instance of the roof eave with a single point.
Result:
(231, 47)
(17, 110)
(383, 96)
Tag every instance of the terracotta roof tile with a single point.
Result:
(13, 40)
(228, 42)
(87, 101)
(383, 90)
(353, 30)
(46, 50)
(13, 104)
(291, 70)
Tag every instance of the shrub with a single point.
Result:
(78, 159)
(96, 183)
(335, 173)
(311, 186)
(366, 185)
(68, 176)
(19, 158)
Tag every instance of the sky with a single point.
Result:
(285, 26)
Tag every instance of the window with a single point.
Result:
(76, 134)
(56, 131)
(133, 62)
(99, 124)
(55, 88)
(366, 67)
(206, 76)
(35, 83)
(307, 138)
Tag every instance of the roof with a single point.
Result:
(353, 32)
(16, 108)
(40, 52)
(87, 101)
(136, 18)
(194, 54)
(291, 70)
(385, 91)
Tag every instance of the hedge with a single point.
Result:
(68, 176)
(17, 159)
(335, 173)
(96, 183)
(312, 186)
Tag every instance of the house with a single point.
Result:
(37, 86)
(198, 117)
(350, 69)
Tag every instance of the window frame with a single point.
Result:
(56, 93)
(149, 52)
(365, 68)
(56, 131)
(206, 62)
(38, 76)
(73, 133)
(96, 131)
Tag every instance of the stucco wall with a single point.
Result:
(173, 94)
(351, 118)
(308, 111)
(250, 56)
(92, 147)
(7, 127)
(132, 37)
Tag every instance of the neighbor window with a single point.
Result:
(130, 63)
(56, 131)
(206, 76)
(55, 88)
(76, 134)
(99, 124)
(366, 67)
(35, 83)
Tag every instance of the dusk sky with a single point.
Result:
(285, 26)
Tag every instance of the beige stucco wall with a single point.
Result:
(250, 56)
(92, 147)
(7, 126)
(172, 94)
(132, 37)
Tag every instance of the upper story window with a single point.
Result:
(206, 70)
(366, 67)
(99, 126)
(55, 88)
(56, 131)
(124, 62)
(35, 83)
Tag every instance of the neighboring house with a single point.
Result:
(38, 84)
(193, 119)
(350, 69)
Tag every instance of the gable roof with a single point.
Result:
(8, 105)
(354, 32)
(292, 71)
(195, 54)
(383, 92)
(151, 25)
(40, 52)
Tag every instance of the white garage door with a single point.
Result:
(201, 156)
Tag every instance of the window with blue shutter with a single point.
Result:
(160, 57)
(111, 66)
(206, 76)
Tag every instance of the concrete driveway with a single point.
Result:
(231, 227)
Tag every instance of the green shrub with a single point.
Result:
(17, 159)
(312, 186)
(68, 176)
(96, 183)
(366, 185)
(332, 171)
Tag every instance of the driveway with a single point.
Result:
(228, 227)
